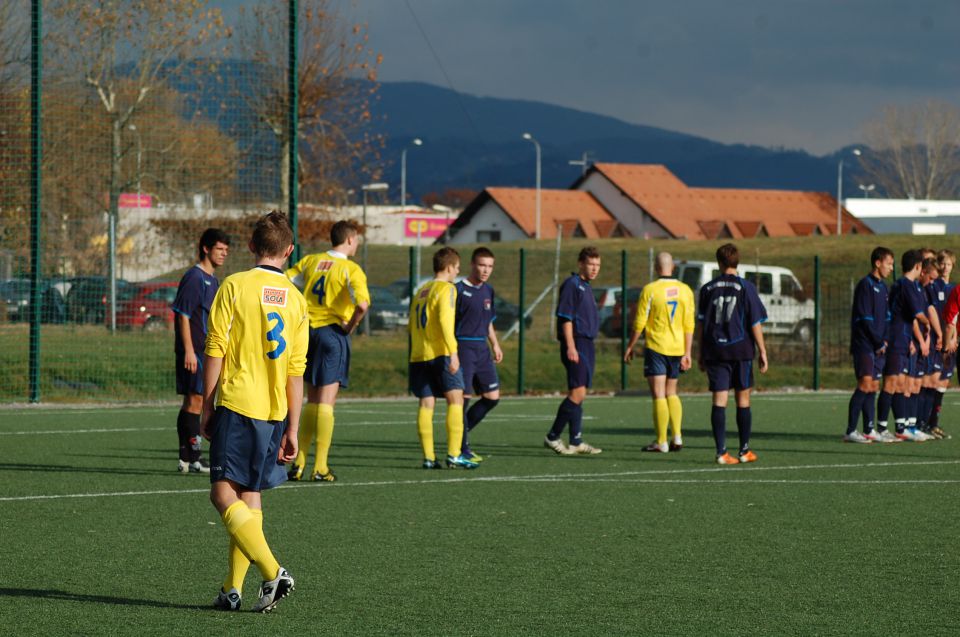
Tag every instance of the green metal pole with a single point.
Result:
(36, 12)
(521, 312)
(816, 322)
(292, 125)
(624, 315)
(411, 287)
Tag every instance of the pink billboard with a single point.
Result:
(133, 200)
(428, 227)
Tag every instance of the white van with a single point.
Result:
(788, 310)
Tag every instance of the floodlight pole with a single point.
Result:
(530, 138)
(403, 174)
(365, 188)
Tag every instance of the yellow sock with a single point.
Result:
(425, 431)
(661, 414)
(676, 415)
(454, 429)
(237, 562)
(306, 434)
(247, 530)
(324, 438)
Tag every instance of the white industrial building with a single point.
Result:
(906, 216)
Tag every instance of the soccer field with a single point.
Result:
(101, 536)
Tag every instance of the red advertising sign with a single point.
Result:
(428, 227)
(133, 200)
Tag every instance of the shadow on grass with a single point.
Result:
(13, 466)
(95, 599)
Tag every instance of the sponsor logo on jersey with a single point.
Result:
(487, 304)
(424, 293)
(673, 292)
(274, 296)
(324, 266)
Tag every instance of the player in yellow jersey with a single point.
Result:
(337, 298)
(434, 360)
(665, 313)
(255, 354)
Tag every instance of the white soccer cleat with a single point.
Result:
(856, 436)
(888, 436)
(583, 449)
(557, 446)
(272, 591)
(874, 436)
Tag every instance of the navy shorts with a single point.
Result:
(188, 383)
(579, 374)
(657, 364)
(479, 371)
(868, 364)
(726, 375)
(949, 365)
(918, 366)
(432, 378)
(328, 356)
(896, 364)
(934, 363)
(244, 450)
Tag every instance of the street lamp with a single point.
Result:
(866, 189)
(529, 138)
(583, 162)
(374, 187)
(133, 127)
(857, 152)
(403, 174)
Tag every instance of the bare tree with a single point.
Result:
(915, 151)
(337, 72)
(14, 125)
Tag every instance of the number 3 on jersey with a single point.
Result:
(275, 335)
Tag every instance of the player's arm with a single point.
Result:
(639, 323)
(218, 329)
(212, 366)
(187, 301)
(361, 293)
(920, 337)
(689, 324)
(934, 317)
(447, 309)
(494, 343)
(288, 444)
(295, 274)
(567, 328)
(189, 356)
(757, 331)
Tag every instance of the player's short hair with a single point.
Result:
(930, 263)
(443, 258)
(343, 230)
(943, 256)
(879, 254)
(210, 238)
(272, 235)
(589, 252)
(482, 252)
(910, 259)
(928, 252)
(728, 256)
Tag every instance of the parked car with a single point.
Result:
(611, 325)
(606, 299)
(148, 307)
(789, 311)
(89, 298)
(507, 312)
(15, 295)
(386, 311)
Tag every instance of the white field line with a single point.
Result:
(621, 476)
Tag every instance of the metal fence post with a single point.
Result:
(35, 179)
(293, 100)
(521, 311)
(411, 287)
(816, 322)
(624, 314)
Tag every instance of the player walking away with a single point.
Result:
(577, 324)
(434, 360)
(946, 261)
(868, 346)
(255, 357)
(191, 307)
(337, 298)
(665, 313)
(474, 330)
(907, 311)
(928, 373)
(730, 318)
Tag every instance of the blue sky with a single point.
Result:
(801, 74)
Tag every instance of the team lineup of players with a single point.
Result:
(905, 335)
(266, 332)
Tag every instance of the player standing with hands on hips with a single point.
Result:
(256, 353)
(730, 318)
(665, 313)
(578, 322)
(191, 308)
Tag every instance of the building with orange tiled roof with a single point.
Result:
(509, 214)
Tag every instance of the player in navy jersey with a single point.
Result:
(945, 262)
(908, 311)
(474, 330)
(730, 320)
(195, 295)
(868, 345)
(927, 376)
(578, 322)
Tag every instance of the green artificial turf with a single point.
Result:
(101, 536)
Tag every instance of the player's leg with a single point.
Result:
(451, 384)
(468, 370)
(675, 409)
(661, 412)
(863, 363)
(584, 380)
(946, 373)
(744, 424)
(312, 382)
(568, 407)
(719, 379)
(485, 378)
(891, 369)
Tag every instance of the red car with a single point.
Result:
(148, 308)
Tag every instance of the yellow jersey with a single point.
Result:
(258, 325)
(665, 311)
(432, 314)
(332, 284)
